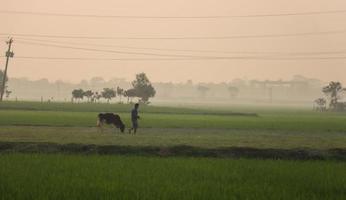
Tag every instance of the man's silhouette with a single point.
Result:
(134, 119)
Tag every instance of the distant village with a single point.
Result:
(298, 90)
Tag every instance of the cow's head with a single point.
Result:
(122, 127)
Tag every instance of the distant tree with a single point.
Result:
(8, 93)
(42, 81)
(120, 93)
(83, 83)
(108, 93)
(320, 104)
(189, 82)
(96, 97)
(89, 94)
(233, 91)
(202, 90)
(97, 81)
(130, 93)
(77, 94)
(332, 90)
(166, 89)
(143, 87)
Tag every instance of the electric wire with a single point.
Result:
(174, 17)
(312, 33)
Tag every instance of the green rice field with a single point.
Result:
(118, 177)
(28, 173)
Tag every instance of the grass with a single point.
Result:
(289, 122)
(104, 107)
(270, 129)
(64, 176)
(40, 176)
(206, 138)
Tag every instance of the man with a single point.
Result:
(134, 119)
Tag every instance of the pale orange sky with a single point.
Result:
(176, 71)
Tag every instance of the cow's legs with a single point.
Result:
(115, 128)
(99, 124)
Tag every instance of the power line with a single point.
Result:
(173, 17)
(139, 48)
(183, 59)
(107, 51)
(182, 38)
(189, 50)
(154, 54)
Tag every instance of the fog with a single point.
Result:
(298, 91)
(249, 61)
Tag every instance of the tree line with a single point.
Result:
(141, 88)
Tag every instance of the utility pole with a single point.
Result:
(9, 54)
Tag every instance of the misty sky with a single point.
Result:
(174, 70)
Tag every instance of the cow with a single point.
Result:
(110, 118)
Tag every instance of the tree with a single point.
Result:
(233, 91)
(8, 93)
(332, 90)
(88, 94)
(202, 90)
(130, 93)
(77, 94)
(108, 93)
(320, 104)
(143, 87)
(97, 81)
(96, 97)
(120, 92)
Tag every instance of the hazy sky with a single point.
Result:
(175, 70)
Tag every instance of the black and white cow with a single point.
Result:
(110, 118)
